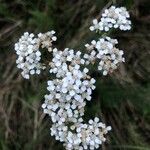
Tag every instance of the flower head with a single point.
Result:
(105, 52)
(28, 51)
(113, 17)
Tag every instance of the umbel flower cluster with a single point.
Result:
(112, 18)
(28, 52)
(72, 86)
(105, 53)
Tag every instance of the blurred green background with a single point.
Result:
(121, 100)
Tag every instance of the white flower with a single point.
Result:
(81, 136)
(72, 86)
(70, 93)
(65, 102)
(29, 55)
(113, 17)
(66, 60)
(105, 52)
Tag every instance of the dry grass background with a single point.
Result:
(121, 100)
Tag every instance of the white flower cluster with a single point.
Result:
(28, 51)
(81, 136)
(66, 60)
(65, 103)
(113, 17)
(29, 55)
(66, 99)
(106, 53)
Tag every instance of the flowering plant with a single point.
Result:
(72, 85)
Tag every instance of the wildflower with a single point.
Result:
(105, 52)
(29, 55)
(72, 86)
(83, 136)
(28, 51)
(113, 17)
(61, 59)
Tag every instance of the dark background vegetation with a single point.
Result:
(121, 100)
